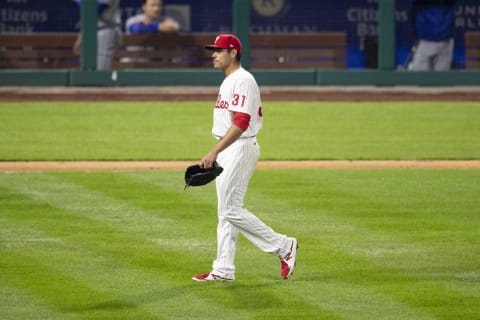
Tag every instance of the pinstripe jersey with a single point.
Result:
(239, 92)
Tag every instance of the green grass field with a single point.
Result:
(374, 244)
(293, 130)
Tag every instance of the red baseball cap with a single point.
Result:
(226, 41)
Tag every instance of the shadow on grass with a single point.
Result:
(234, 293)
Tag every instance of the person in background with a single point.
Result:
(109, 33)
(434, 24)
(151, 20)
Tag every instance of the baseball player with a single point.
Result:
(237, 118)
(109, 33)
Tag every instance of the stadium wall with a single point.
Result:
(188, 77)
(387, 73)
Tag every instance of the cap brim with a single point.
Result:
(212, 47)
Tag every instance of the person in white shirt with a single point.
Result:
(237, 118)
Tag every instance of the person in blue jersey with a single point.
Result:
(109, 33)
(434, 24)
(151, 20)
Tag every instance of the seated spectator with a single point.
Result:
(151, 21)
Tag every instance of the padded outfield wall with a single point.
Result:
(379, 37)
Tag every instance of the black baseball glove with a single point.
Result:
(196, 176)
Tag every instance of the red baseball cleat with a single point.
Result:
(209, 277)
(289, 260)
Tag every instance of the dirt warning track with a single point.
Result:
(46, 166)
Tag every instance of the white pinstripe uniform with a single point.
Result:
(239, 92)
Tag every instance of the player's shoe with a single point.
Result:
(289, 260)
(209, 277)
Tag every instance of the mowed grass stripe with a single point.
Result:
(18, 300)
(367, 216)
(346, 281)
(76, 199)
(133, 273)
(117, 217)
(201, 213)
(100, 285)
(392, 212)
(44, 262)
(328, 259)
(168, 261)
(58, 256)
(213, 300)
(31, 308)
(440, 203)
(358, 302)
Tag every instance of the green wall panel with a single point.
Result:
(33, 78)
(211, 77)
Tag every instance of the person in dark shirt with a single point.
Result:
(434, 25)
